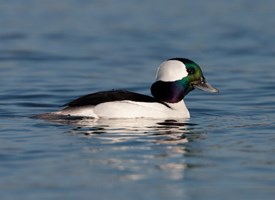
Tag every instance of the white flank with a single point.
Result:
(129, 109)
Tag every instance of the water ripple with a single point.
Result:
(27, 55)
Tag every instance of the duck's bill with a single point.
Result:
(205, 86)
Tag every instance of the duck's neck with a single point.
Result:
(170, 92)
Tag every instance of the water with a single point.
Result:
(54, 51)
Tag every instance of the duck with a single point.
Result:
(175, 78)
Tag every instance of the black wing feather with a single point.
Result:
(108, 96)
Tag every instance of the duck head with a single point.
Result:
(176, 77)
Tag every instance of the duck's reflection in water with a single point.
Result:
(136, 148)
(118, 130)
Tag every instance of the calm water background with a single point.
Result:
(54, 51)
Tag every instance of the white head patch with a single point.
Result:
(171, 70)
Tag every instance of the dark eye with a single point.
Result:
(191, 70)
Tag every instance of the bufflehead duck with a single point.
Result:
(175, 78)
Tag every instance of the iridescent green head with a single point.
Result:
(176, 77)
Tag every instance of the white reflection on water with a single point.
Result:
(121, 130)
(134, 148)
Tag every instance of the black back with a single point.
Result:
(109, 96)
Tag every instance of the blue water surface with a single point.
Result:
(54, 51)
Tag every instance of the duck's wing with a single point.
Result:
(108, 96)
